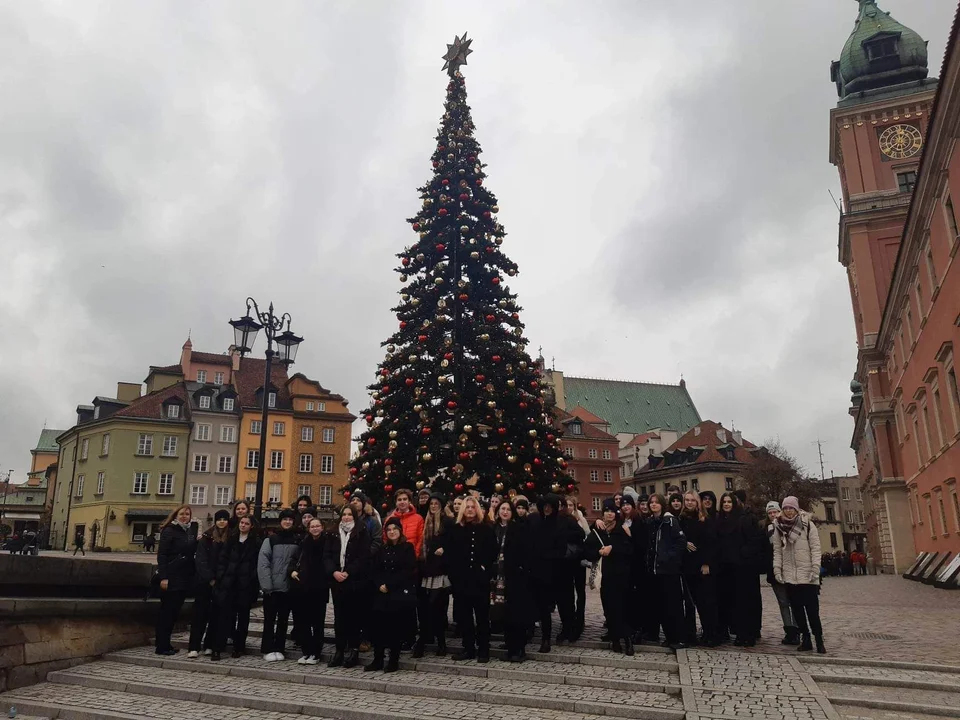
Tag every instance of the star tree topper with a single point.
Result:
(456, 54)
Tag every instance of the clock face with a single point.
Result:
(900, 141)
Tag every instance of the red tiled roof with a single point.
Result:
(210, 358)
(249, 378)
(581, 412)
(150, 406)
(590, 432)
(642, 439)
(709, 441)
(176, 369)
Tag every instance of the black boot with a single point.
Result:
(337, 659)
(628, 646)
(820, 647)
(417, 650)
(377, 663)
(352, 659)
(616, 646)
(791, 636)
(394, 663)
(465, 654)
(545, 645)
(441, 646)
(805, 644)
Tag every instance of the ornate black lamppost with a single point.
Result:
(245, 334)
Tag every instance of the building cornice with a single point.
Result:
(643, 476)
(879, 113)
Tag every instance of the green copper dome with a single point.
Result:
(878, 54)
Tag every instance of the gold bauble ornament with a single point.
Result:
(403, 278)
(555, 487)
(438, 281)
(532, 433)
(511, 458)
(498, 487)
(528, 467)
(499, 241)
(523, 363)
(420, 257)
(502, 303)
(474, 256)
(491, 404)
(441, 304)
(511, 383)
(417, 408)
(421, 484)
(393, 434)
(444, 363)
(392, 445)
(484, 337)
(442, 379)
(468, 428)
(495, 208)
(427, 457)
(464, 229)
(391, 348)
(366, 466)
(426, 323)
(415, 302)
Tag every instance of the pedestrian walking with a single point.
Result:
(78, 544)
(796, 549)
(175, 571)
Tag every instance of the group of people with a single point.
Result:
(844, 563)
(506, 563)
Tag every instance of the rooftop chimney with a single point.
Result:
(738, 437)
(128, 392)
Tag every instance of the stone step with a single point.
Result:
(566, 654)
(658, 680)
(421, 695)
(890, 697)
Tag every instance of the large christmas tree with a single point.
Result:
(457, 401)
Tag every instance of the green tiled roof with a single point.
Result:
(633, 407)
(48, 441)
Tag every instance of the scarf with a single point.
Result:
(345, 530)
(790, 530)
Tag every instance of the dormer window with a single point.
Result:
(882, 48)
(228, 404)
(204, 402)
(173, 412)
(576, 429)
(96, 413)
(201, 376)
(271, 399)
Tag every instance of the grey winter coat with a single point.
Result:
(278, 556)
(797, 563)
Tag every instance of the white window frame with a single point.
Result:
(276, 459)
(309, 406)
(84, 448)
(145, 445)
(79, 486)
(321, 407)
(101, 482)
(281, 426)
(254, 455)
(201, 463)
(223, 495)
(597, 504)
(173, 411)
(204, 432)
(170, 446)
(592, 453)
(607, 476)
(306, 433)
(202, 376)
(304, 490)
(306, 463)
(274, 492)
(228, 404)
(607, 455)
(105, 444)
(228, 433)
(569, 451)
(225, 464)
(250, 491)
(271, 399)
(325, 495)
(218, 378)
(198, 495)
(594, 476)
(328, 435)
(166, 484)
(326, 464)
(255, 427)
(143, 477)
(204, 402)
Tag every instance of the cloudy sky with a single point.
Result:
(661, 168)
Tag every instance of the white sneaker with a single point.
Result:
(312, 660)
(303, 660)
(208, 651)
(269, 657)
(193, 655)
(279, 656)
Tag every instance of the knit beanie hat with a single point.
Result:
(221, 515)
(628, 500)
(610, 505)
(522, 502)
(393, 521)
(288, 513)
(791, 502)
(773, 505)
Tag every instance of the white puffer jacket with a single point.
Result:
(797, 563)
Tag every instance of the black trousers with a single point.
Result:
(614, 595)
(699, 594)
(432, 611)
(645, 604)
(309, 617)
(171, 602)
(347, 614)
(557, 595)
(235, 623)
(805, 604)
(580, 591)
(515, 636)
(202, 622)
(276, 614)
(728, 613)
(474, 621)
(749, 603)
(670, 592)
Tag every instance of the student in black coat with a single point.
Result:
(393, 575)
(698, 572)
(511, 594)
(310, 589)
(472, 549)
(551, 537)
(346, 558)
(644, 600)
(739, 572)
(207, 611)
(237, 584)
(433, 594)
(667, 545)
(175, 570)
(612, 545)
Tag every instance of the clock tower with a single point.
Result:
(877, 134)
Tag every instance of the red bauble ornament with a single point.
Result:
(422, 338)
(448, 356)
(409, 381)
(388, 461)
(472, 158)
(523, 406)
(371, 441)
(436, 164)
(441, 212)
(386, 388)
(491, 318)
(445, 181)
(427, 431)
(464, 196)
(516, 316)
(353, 471)
(384, 372)
(346, 494)
(571, 487)
(451, 404)
(550, 437)
(405, 261)
(533, 383)
(490, 249)
(403, 324)
(496, 281)
(464, 297)
(369, 419)
(487, 214)
(384, 506)
(458, 487)
(479, 181)
(531, 485)
(388, 488)
(416, 226)
(464, 456)
(440, 247)
(496, 358)
(537, 461)
(481, 378)
(501, 431)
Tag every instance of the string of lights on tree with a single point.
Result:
(457, 402)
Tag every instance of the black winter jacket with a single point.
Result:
(356, 563)
(473, 552)
(237, 569)
(207, 558)
(667, 545)
(432, 564)
(549, 538)
(175, 556)
(619, 563)
(312, 577)
(395, 566)
(703, 534)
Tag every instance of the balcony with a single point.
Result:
(880, 200)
